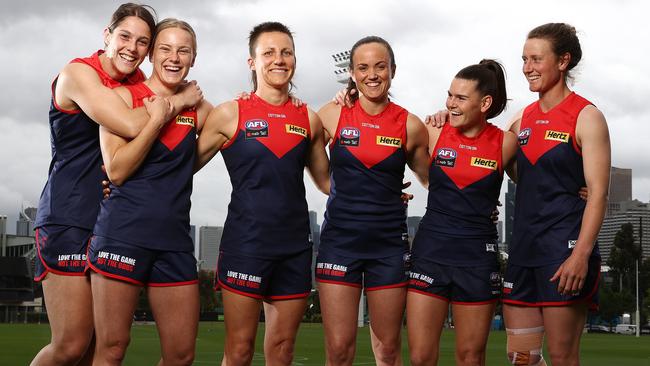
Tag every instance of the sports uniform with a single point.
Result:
(142, 231)
(364, 240)
(265, 247)
(454, 254)
(70, 200)
(548, 210)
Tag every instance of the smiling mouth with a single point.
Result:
(172, 68)
(127, 58)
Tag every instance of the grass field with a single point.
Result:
(20, 342)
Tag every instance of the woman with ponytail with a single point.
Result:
(454, 254)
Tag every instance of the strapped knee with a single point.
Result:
(525, 346)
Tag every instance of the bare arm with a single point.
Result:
(513, 126)
(329, 115)
(509, 151)
(317, 162)
(219, 127)
(123, 157)
(78, 86)
(417, 151)
(593, 137)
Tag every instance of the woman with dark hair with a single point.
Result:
(81, 99)
(142, 231)
(266, 255)
(454, 254)
(554, 262)
(364, 241)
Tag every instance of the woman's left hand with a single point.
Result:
(571, 275)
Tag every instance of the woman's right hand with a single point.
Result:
(160, 110)
(190, 94)
(438, 119)
(341, 97)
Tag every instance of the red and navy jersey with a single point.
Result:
(465, 179)
(152, 208)
(267, 214)
(548, 210)
(365, 216)
(73, 190)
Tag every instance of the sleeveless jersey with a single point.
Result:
(73, 190)
(465, 178)
(548, 210)
(267, 214)
(365, 216)
(152, 208)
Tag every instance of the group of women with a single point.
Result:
(139, 236)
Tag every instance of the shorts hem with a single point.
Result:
(172, 284)
(341, 283)
(439, 297)
(470, 303)
(287, 297)
(545, 303)
(386, 287)
(114, 276)
(58, 273)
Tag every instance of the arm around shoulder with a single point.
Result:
(220, 126)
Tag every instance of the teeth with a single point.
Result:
(127, 57)
(372, 84)
(172, 68)
(455, 113)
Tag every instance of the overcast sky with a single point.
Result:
(432, 41)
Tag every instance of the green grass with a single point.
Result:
(20, 342)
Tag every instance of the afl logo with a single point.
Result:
(349, 136)
(256, 128)
(524, 136)
(446, 157)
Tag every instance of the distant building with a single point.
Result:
(193, 236)
(412, 224)
(510, 214)
(314, 229)
(209, 242)
(500, 232)
(620, 186)
(25, 222)
(626, 212)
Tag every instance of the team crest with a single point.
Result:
(256, 128)
(524, 136)
(446, 157)
(349, 136)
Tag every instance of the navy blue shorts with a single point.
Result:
(459, 285)
(61, 250)
(530, 286)
(141, 266)
(373, 274)
(283, 278)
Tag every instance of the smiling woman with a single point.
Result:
(143, 239)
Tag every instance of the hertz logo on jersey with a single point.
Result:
(556, 136)
(296, 130)
(185, 120)
(483, 163)
(389, 141)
